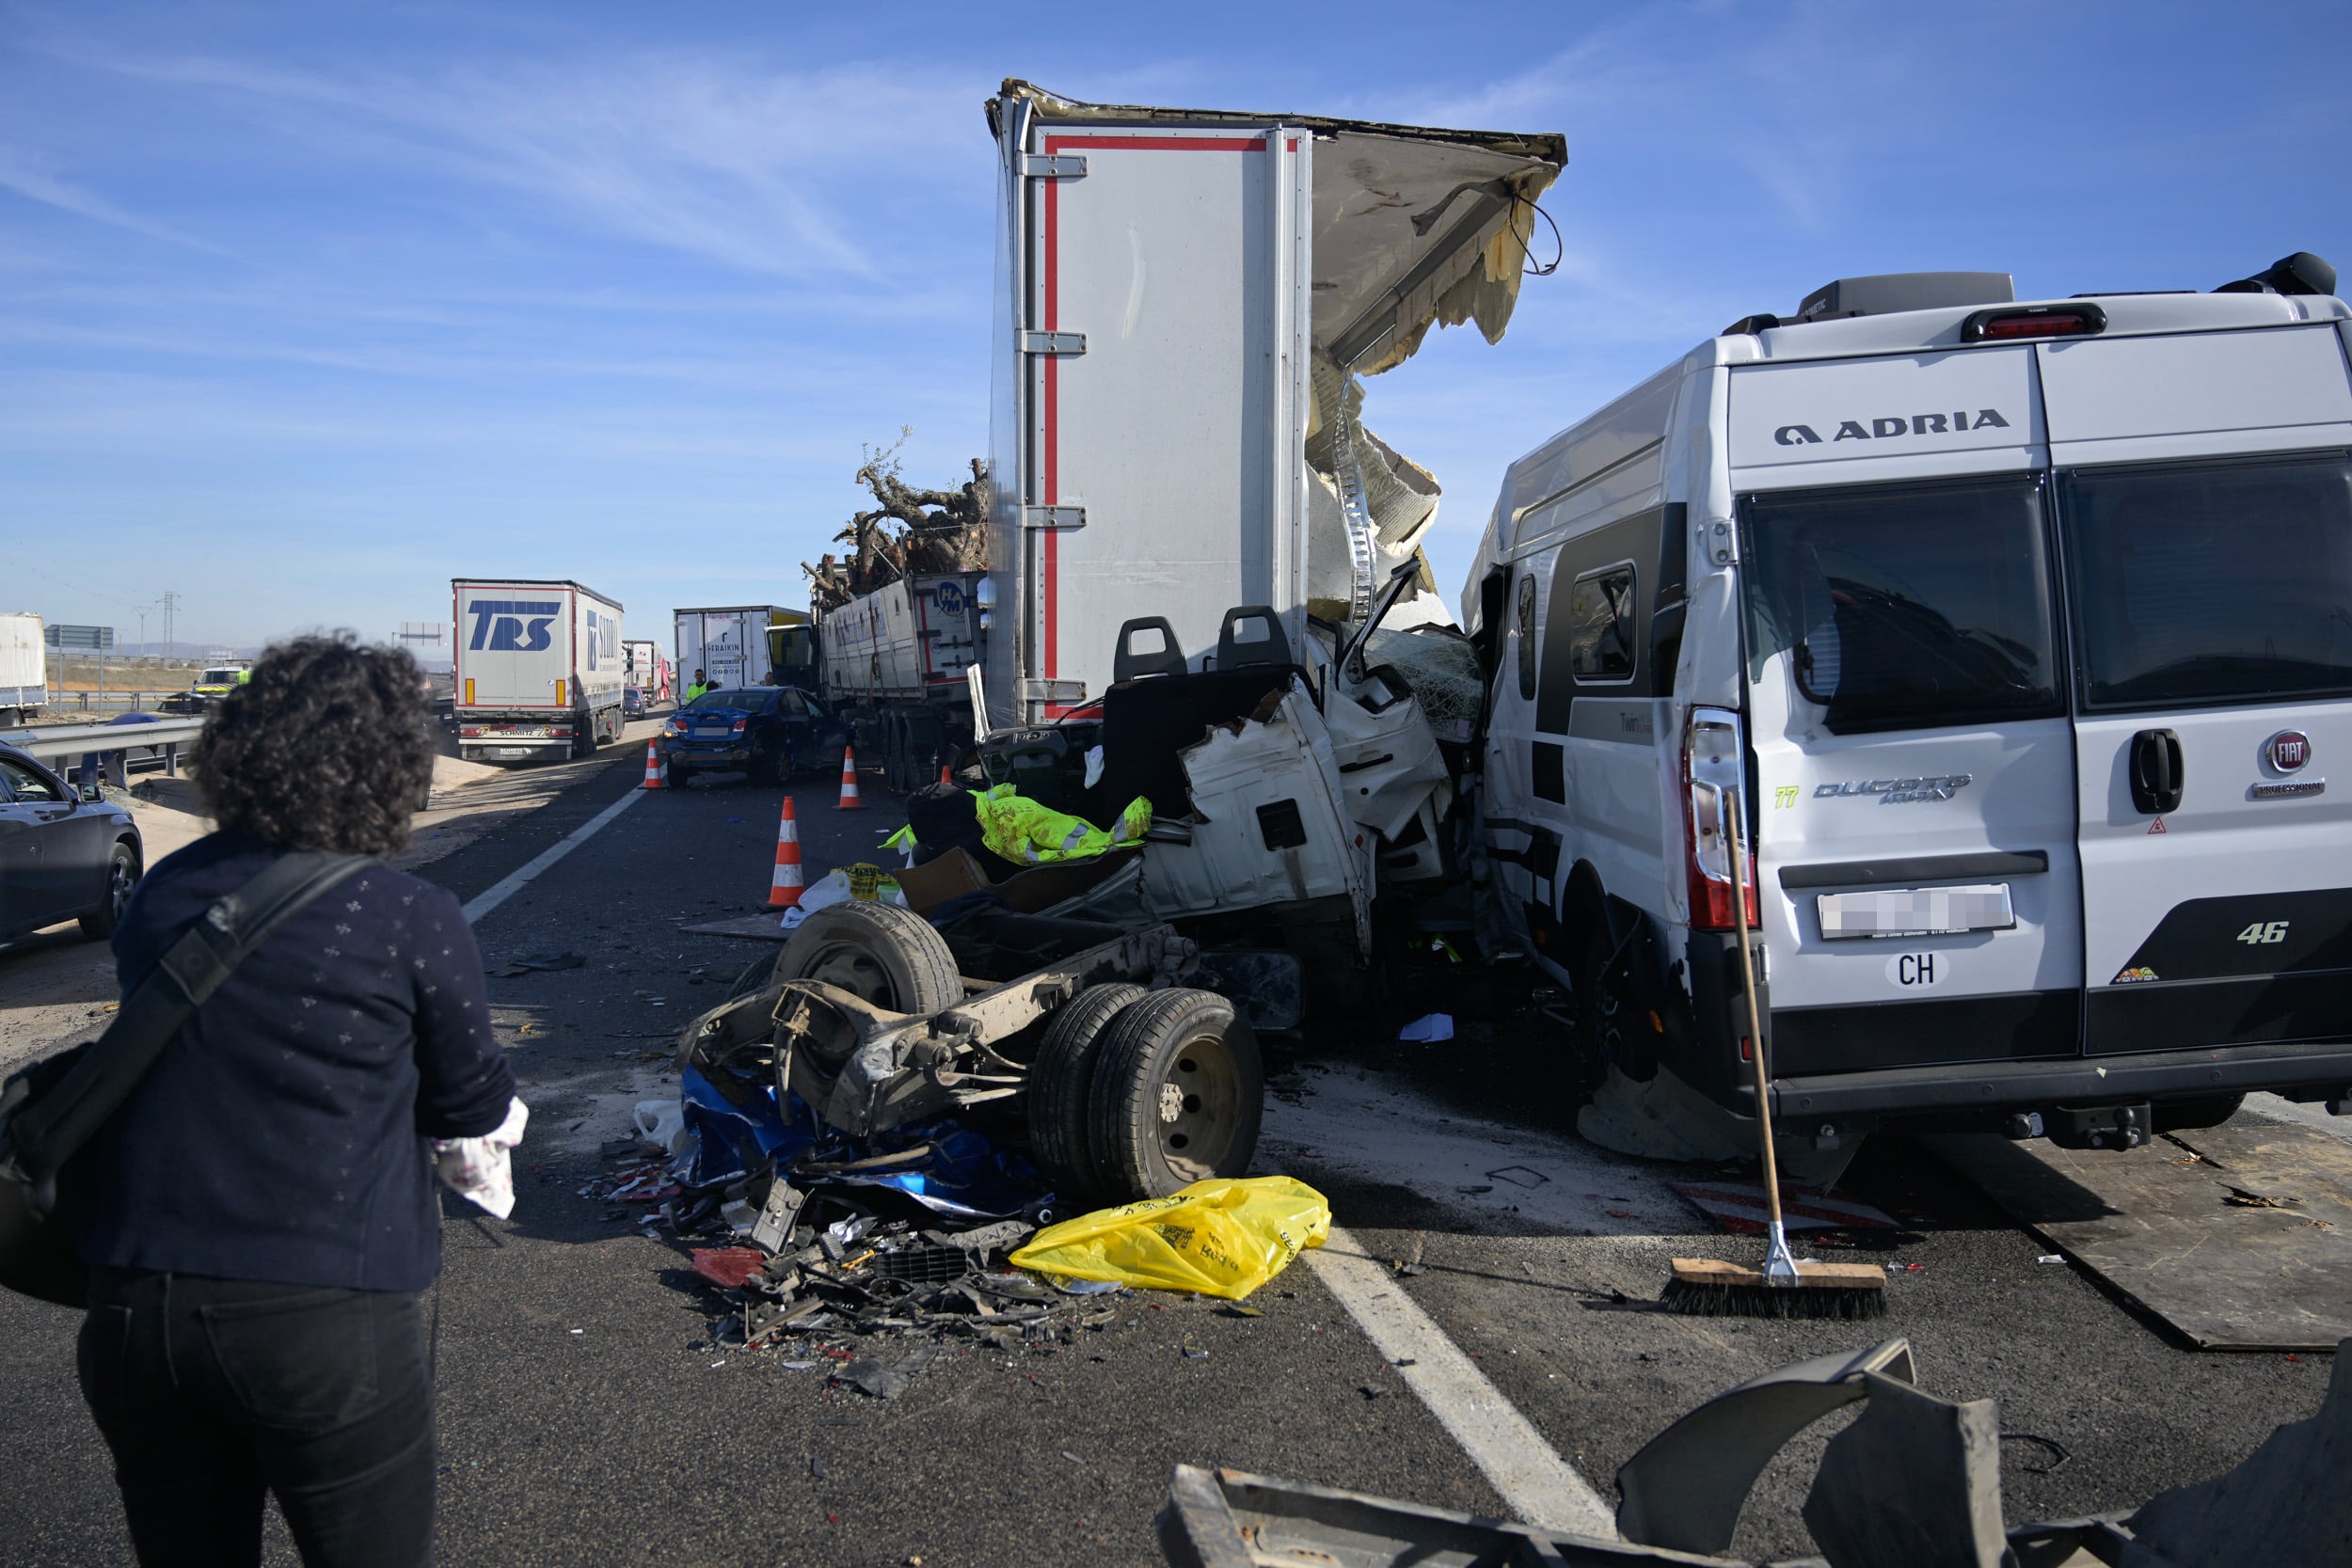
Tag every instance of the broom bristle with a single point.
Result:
(1690, 1299)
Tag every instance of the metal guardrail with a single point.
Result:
(55, 743)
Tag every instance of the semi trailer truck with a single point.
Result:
(23, 668)
(539, 669)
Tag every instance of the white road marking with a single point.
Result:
(491, 898)
(1535, 1483)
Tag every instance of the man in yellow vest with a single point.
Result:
(700, 684)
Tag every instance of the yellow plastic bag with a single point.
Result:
(1223, 1237)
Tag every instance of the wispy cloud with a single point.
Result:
(36, 179)
(772, 172)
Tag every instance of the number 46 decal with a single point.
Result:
(2263, 932)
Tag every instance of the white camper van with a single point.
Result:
(2019, 635)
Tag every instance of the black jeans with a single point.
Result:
(214, 1391)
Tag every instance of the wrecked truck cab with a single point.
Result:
(1141, 1083)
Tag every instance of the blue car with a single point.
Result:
(770, 731)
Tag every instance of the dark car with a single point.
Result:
(61, 857)
(770, 731)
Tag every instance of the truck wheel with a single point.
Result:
(1177, 1095)
(2198, 1110)
(1060, 1082)
(885, 954)
(122, 875)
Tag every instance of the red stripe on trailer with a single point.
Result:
(1049, 476)
(1163, 144)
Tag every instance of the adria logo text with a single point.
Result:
(1888, 426)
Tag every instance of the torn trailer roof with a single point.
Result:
(1411, 224)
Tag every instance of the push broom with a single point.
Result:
(1784, 1288)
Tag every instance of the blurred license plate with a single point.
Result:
(1916, 911)
(514, 751)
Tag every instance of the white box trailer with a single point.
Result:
(539, 669)
(23, 668)
(1185, 299)
(894, 663)
(647, 670)
(729, 643)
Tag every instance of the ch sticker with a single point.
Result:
(1784, 795)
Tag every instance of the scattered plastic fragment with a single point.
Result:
(2050, 1258)
(1429, 1029)
(727, 1267)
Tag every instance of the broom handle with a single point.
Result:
(1730, 805)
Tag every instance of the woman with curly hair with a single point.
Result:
(260, 1216)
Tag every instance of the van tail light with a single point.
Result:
(1714, 773)
(2074, 319)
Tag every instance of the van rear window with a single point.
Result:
(1906, 607)
(2221, 582)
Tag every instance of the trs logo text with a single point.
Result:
(512, 626)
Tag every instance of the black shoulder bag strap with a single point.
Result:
(44, 1134)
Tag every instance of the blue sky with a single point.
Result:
(305, 309)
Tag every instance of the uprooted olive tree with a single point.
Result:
(936, 531)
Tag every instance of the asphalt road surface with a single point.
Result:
(587, 1416)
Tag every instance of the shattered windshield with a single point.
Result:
(1906, 607)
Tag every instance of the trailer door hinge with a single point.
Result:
(1054, 516)
(1054, 166)
(1053, 342)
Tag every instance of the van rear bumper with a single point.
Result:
(2070, 1081)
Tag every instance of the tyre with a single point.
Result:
(885, 954)
(122, 875)
(754, 975)
(1606, 1019)
(1177, 1095)
(2195, 1111)
(1060, 1083)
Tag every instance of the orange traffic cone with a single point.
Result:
(945, 776)
(653, 766)
(848, 781)
(783, 888)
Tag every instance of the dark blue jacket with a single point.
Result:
(281, 1136)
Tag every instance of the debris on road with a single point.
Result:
(1915, 1478)
(1429, 1029)
(537, 964)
